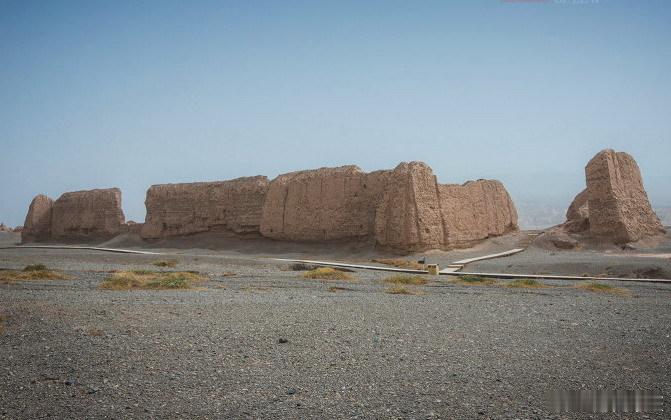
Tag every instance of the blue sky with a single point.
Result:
(129, 94)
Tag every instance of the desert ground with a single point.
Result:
(255, 339)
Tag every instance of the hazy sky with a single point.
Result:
(129, 94)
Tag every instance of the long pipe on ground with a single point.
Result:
(554, 277)
(463, 273)
(93, 248)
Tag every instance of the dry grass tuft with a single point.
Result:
(31, 272)
(469, 280)
(603, 288)
(406, 279)
(400, 290)
(327, 273)
(147, 280)
(165, 263)
(526, 284)
(400, 263)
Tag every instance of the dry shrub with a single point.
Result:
(469, 280)
(526, 284)
(400, 263)
(165, 263)
(400, 290)
(603, 288)
(35, 267)
(31, 272)
(327, 273)
(147, 280)
(406, 279)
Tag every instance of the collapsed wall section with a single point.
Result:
(223, 206)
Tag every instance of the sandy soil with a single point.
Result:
(72, 350)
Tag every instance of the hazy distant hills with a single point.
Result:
(664, 214)
(535, 216)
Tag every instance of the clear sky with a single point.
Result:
(121, 94)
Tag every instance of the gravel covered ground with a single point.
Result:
(72, 350)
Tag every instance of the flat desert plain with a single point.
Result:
(256, 339)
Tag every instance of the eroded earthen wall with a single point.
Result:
(408, 216)
(37, 226)
(323, 204)
(475, 211)
(619, 209)
(403, 209)
(577, 215)
(183, 209)
(92, 214)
